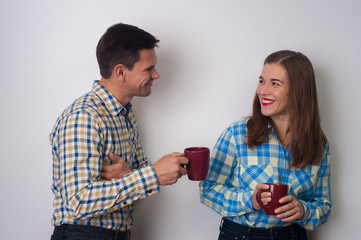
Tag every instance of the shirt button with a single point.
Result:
(281, 176)
(282, 158)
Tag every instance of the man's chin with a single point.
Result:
(144, 94)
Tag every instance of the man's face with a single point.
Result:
(139, 80)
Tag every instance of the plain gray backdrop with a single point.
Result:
(210, 56)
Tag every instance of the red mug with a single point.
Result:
(198, 162)
(277, 191)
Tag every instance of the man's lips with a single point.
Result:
(267, 101)
(149, 83)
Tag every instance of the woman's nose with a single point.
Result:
(264, 89)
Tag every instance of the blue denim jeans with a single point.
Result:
(231, 230)
(79, 232)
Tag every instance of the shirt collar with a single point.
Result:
(271, 129)
(269, 125)
(110, 102)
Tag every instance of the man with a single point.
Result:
(99, 168)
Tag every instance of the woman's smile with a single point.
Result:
(267, 101)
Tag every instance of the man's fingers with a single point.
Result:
(115, 158)
(177, 154)
(104, 176)
(183, 160)
(183, 171)
(105, 168)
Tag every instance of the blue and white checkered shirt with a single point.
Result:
(83, 136)
(235, 170)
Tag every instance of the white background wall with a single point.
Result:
(210, 57)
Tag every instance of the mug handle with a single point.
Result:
(258, 198)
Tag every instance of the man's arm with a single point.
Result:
(168, 169)
(83, 192)
(117, 170)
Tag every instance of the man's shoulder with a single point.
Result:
(87, 104)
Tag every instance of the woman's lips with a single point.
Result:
(267, 101)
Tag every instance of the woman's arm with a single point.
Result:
(318, 210)
(217, 191)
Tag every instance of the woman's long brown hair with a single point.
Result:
(305, 127)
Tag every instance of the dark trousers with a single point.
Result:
(79, 232)
(231, 230)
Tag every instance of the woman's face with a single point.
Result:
(273, 90)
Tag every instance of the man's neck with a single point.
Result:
(114, 88)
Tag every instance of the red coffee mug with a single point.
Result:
(198, 162)
(277, 191)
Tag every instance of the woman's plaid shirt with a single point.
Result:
(82, 138)
(235, 170)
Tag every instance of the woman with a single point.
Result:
(282, 142)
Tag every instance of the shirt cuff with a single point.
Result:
(247, 199)
(147, 181)
(306, 214)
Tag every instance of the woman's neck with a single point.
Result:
(282, 127)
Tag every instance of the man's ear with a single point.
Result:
(119, 71)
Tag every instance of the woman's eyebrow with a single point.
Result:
(276, 80)
(272, 79)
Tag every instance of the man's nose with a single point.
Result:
(155, 74)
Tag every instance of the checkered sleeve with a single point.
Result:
(318, 210)
(139, 158)
(217, 191)
(80, 158)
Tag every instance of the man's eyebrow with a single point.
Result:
(150, 67)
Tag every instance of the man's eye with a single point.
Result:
(149, 69)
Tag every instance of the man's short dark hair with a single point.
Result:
(121, 44)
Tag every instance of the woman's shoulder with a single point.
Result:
(239, 127)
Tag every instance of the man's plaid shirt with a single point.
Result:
(82, 138)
